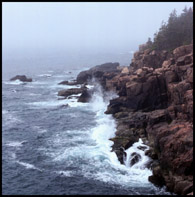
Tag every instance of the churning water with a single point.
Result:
(51, 148)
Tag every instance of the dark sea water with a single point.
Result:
(49, 148)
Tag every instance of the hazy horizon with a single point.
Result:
(50, 27)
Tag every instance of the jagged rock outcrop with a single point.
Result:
(148, 58)
(156, 103)
(22, 78)
(96, 72)
(67, 92)
(86, 95)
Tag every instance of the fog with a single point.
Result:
(82, 26)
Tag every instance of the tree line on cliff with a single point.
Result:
(177, 31)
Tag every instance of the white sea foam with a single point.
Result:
(16, 143)
(33, 94)
(65, 173)
(59, 76)
(16, 82)
(11, 156)
(39, 129)
(39, 83)
(28, 165)
(64, 86)
(45, 75)
(50, 103)
(10, 118)
(90, 86)
(134, 149)
(106, 162)
(4, 111)
(57, 103)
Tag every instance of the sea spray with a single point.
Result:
(137, 150)
(105, 129)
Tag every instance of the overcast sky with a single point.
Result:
(83, 25)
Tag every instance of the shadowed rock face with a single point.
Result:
(21, 78)
(86, 95)
(156, 103)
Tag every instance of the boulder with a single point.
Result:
(68, 83)
(143, 148)
(22, 78)
(68, 92)
(135, 157)
(121, 154)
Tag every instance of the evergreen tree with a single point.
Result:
(176, 32)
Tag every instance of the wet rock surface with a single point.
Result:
(135, 158)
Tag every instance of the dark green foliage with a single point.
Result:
(176, 32)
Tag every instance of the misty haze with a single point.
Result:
(84, 85)
(77, 34)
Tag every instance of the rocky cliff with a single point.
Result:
(155, 103)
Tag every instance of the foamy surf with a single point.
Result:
(64, 173)
(44, 75)
(71, 102)
(10, 118)
(102, 164)
(39, 129)
(106, 162)
(16, 82)
(16, 144)
(28, 165)
(143, 158)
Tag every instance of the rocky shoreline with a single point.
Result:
(154, 103)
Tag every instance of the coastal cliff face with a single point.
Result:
(155, 103)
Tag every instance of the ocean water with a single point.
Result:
(51, 148)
